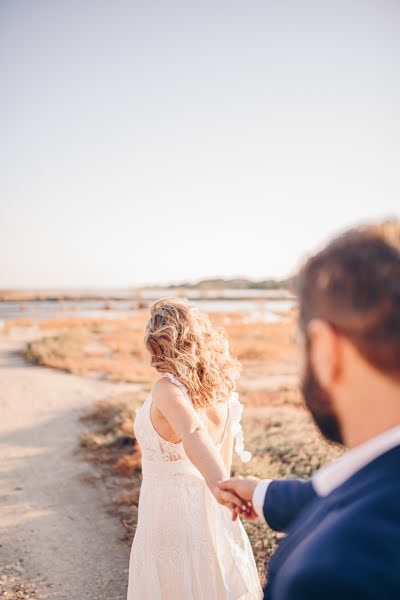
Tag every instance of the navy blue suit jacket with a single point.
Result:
(342, 546)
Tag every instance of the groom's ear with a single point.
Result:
(325, 352)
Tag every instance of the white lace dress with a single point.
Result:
(186, 546)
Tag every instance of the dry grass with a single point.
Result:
(109, 443)
(114, 349)
(110, 348)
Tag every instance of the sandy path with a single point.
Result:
(53, 523)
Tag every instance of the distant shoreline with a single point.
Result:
(145, 294)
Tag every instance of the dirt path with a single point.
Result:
(55, 531)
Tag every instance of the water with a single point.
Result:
(264, 308)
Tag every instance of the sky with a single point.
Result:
(154, 142)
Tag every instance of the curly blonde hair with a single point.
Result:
(182, 341)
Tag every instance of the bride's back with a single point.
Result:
(216, 420)
(215, 417)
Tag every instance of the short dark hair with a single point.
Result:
(354, 284)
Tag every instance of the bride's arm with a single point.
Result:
(227, 448)
(198, 445)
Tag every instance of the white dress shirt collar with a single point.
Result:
(331, 476)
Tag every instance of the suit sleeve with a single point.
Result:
(284, 500)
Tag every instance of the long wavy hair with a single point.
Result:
(182, 341)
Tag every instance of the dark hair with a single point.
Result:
(354, 284)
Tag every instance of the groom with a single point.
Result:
(343, 526)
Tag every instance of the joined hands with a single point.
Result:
(237, 494)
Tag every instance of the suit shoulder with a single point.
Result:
(365, 527)
(379, 499)
(353, 551)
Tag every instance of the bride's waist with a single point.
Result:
(166, 470)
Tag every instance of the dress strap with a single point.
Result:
(237, 430)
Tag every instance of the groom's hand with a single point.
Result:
(244, 489)
(236, 504)
(232, 501)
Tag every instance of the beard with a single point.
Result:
(319, 403)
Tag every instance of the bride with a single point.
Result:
(187, 546)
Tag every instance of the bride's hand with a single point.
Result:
(232, 501)
(242, 488)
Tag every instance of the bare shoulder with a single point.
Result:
(163, 390)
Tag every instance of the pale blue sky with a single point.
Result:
(158, 141)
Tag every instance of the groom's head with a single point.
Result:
(349, 317)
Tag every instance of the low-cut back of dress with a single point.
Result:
(186, 546)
